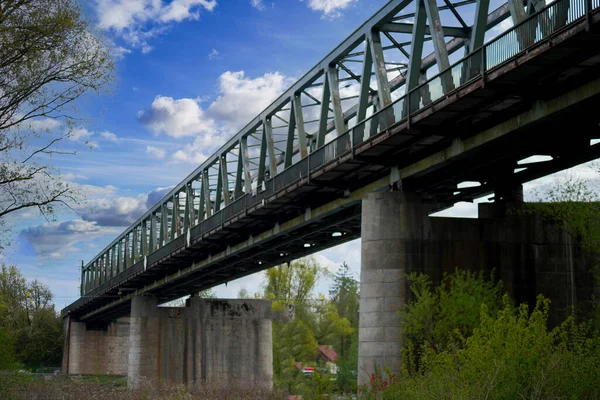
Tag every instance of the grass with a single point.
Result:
(25, 387)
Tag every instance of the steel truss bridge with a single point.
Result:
(424, 95)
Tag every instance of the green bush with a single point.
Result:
(438, 319)
(495, 352)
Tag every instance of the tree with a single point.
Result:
(29, 324)
(295, 341)
(208, 294)
(49, 57)
(437, 319)
(573, 204)
(345, 300)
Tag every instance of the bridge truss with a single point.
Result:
(407, 56)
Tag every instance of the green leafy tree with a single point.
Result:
(294, 283)
(208, 294)
(498, 351)
(438, 319)
(345, 299)
(575, 206)
(29, 321)
(49, 57)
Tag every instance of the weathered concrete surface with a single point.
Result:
(391, 223)
(96, 351)
(143, 340)
(528, 253)
(212, 341)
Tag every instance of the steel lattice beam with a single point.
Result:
(312, 112)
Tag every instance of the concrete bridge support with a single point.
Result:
(530, 254)
(210, 341)
(392, 225)
(96, 351)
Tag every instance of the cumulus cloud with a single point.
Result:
(240, 98)
(155, 195)
(105, 206)
(176, 118)
(136, 21)
(119, 211)
(56, 240)
(330, 8)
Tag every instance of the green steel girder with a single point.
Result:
(161, 224)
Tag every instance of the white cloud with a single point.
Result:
(56, 240)
(500, 28)
(214, 55)
(109, 136)
(176, 118)
(258, 4)
(105, 207)
(119, 211)
(330, 8)
(240, 99)
(136, 21)
(69, 177)
(80, 134)
(118, 52)
(155, 195)
(84, 136)
(156, 152)
(42, 124)
(190, 154)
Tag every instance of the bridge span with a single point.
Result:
(375, 115)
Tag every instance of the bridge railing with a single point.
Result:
(538, 27)
(206, 199)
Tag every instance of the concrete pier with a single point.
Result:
(210, 341)
(392, 225)
(96, 351)
(530, 254)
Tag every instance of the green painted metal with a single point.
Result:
(418, 33)
(299, 118)
(246, 162)
(336, 102)
(324, 112)
(239, 175)
(268, 129)
(289, 143)
(439, 43)
(225, 180)
(161, 224)
(206, 191)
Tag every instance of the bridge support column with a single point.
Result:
(393, 223)
(213, 342)
(143, 341)
(95, 350)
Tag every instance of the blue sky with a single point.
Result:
(189, 74)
